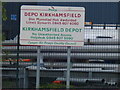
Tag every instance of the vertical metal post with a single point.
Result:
(92, 26)
(38, 67)
(17, 65)
(25, 78)
(104, 26)
(68, 68)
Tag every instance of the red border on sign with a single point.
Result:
(51, 40)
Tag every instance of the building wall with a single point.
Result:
(96, 12)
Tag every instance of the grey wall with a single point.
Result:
(96, 12)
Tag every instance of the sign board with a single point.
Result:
(52, 25)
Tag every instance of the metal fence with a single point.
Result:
(95, 65)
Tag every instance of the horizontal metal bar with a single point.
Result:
(57, 56)
(83, 80)
(32, 68)
(83, 65)
(64, 64)
(86, 48)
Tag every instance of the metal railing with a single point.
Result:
(101, 43)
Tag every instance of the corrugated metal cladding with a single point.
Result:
(96, 12)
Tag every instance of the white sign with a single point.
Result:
(52, 25)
